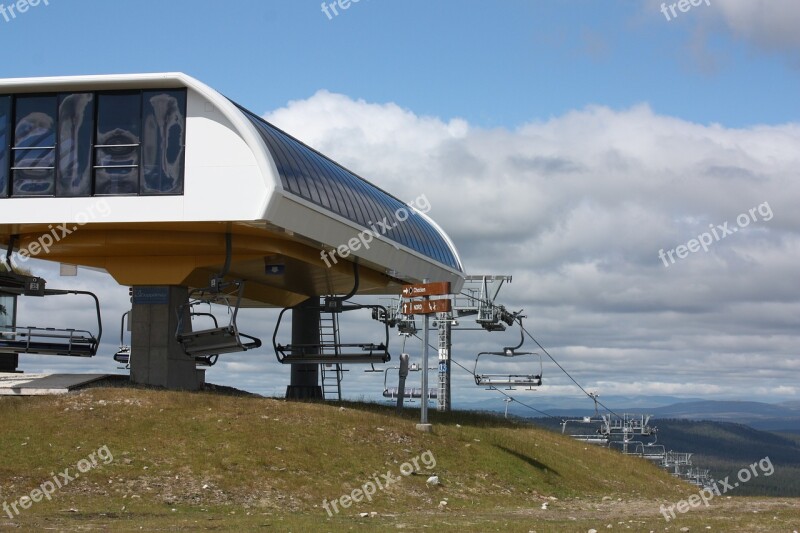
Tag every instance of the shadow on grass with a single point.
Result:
(530, 460)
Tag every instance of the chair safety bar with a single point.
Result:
(215, 341)
(203, 344)
(47, 341)
(51, 341)
(508, 379)
(412, 393)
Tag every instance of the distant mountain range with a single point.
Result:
(783, 416)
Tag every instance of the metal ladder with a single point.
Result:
(331, 373)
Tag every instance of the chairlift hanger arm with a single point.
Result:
(122, 328)
(12, 240)
(275, 344)
(228, 253)
(335, 304)
(48, 292)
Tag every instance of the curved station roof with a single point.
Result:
(144, 175)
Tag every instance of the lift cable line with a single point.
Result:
(593, 397)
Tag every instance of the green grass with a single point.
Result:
(187, 461)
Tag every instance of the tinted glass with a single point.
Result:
(312, 176)
(75, 130)
(163, 139)
(5, 139)
(34, 146)
(117, 152)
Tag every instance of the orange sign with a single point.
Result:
(425, 307)
(439, 288)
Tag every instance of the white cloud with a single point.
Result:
(577, 208)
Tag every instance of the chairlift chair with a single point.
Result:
(204, 345)
(409, 393)
(509, 380)
(210, 360)
(123, 355)
(47, 341)
(600, 437)
(623, 445)
(331, 350)
(654, 452)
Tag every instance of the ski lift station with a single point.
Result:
(188, 198)
(201, 200)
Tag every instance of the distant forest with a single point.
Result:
(725, 448)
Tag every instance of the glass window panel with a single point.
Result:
(292, 170)
(117, 152)
(34, 146)
(5, 140)
(163, 141)
(383, 205)
(295, 154)
(75, 130)
(290, 176)
(351, 193)
(317, 182)
(331, 199)
(323, 169)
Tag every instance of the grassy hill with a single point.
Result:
(211, 461)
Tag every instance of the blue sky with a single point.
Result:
(590, 133)
(498, 63)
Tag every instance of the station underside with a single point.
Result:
(281, 270)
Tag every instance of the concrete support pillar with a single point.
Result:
(304, 381)
(156, 357)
